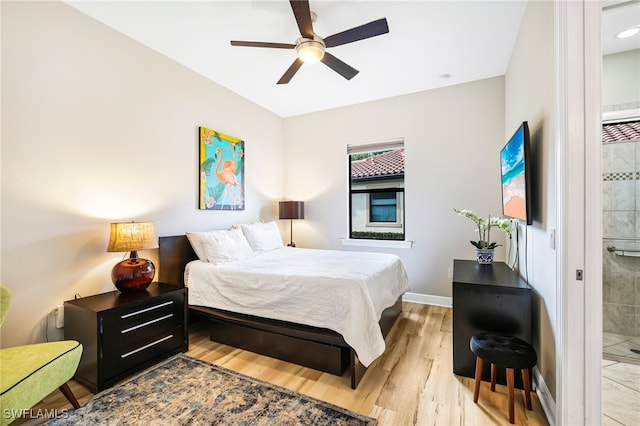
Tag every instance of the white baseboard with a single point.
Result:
(546, 400)
(426, 299)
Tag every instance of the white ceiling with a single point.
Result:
(466, 40)
(618, 15)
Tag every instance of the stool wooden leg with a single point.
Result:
(476, 391)
(510, 380)
(66, 391)
(493, 377)
(527, 388)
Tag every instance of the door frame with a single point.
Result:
(579, 206)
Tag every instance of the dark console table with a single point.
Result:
(487, 298)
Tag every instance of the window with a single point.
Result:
(382, 207)
(376, 188)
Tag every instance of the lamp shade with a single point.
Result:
(133, 274)
(132, 236)
(291, 209)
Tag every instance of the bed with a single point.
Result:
(270, 324)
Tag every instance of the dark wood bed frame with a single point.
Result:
(318, 348)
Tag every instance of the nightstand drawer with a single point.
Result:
(160, 323)
(131, 316)
(119, 361)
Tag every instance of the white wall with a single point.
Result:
(97, 128)
(452, 138)
(529, 95)
(620, 80)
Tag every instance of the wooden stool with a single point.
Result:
(505, 351)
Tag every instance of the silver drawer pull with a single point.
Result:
(141, 311)
(144, 324)
(146, 346)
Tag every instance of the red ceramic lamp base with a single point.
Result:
(133, 274)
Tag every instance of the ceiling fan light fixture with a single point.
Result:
(310, 50)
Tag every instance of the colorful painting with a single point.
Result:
(221, 171)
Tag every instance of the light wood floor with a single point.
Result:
(411, 384)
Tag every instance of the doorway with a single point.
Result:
(620, 214)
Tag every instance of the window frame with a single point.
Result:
(399, 211)
(400, 199)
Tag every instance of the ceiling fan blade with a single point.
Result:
(263, 44)
(288, 75)
(338, 66)
(302, 14)
(372, 29)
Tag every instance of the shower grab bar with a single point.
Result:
(623, 252)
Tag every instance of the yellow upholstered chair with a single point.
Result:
(31, 372)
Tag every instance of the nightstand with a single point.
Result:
(124, 333)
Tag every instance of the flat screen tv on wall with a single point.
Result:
(516, 185)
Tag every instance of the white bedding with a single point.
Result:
(339, 290)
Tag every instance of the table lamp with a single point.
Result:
(133, 274)
(291, 210)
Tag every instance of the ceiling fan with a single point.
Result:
(312, 48)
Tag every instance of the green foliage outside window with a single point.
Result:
(371, 235)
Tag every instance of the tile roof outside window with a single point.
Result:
(385, 164)
(616, 132)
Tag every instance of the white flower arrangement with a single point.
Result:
(484, 228)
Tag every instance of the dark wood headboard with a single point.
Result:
(175, 253)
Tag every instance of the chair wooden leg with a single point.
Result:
(476, 392)
(493, 377)
(66, 391)
(527, 388)
(510, 380)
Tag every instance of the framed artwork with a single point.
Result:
(221, 171)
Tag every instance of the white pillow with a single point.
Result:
(262, 236)
(197, 242)
(223, 246)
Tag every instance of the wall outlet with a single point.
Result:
(60, 316)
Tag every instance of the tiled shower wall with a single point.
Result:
(621, 229)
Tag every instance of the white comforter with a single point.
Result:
(342, 291)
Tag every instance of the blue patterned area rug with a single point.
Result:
(183, 390)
